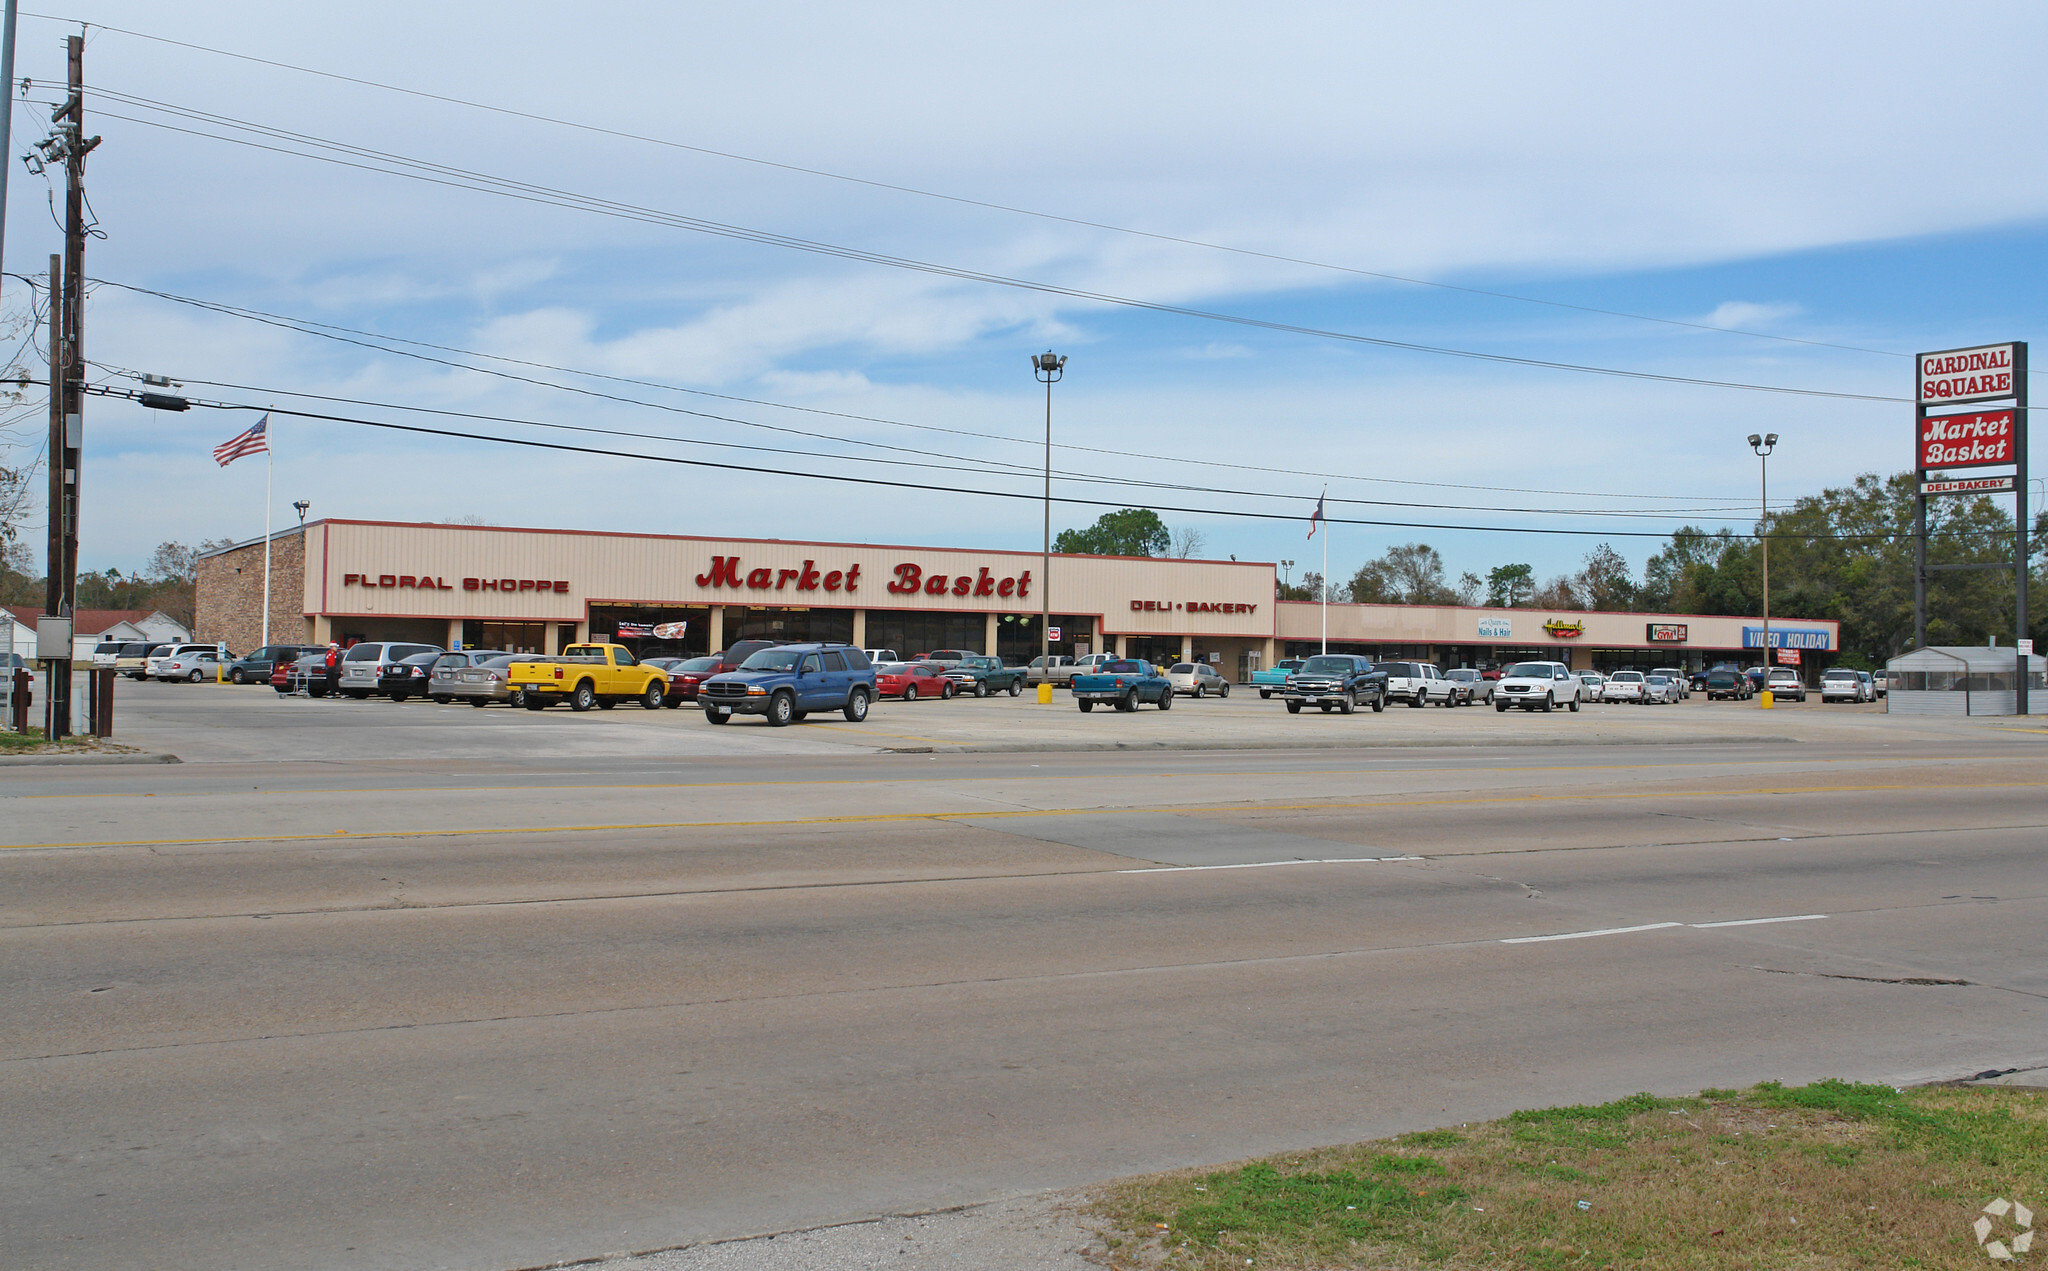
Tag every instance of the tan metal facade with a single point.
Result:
(449, 572)
(1439, 625)
(382, 576)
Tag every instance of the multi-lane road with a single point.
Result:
(498, 1011)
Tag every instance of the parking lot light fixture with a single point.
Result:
(1047, 367)
(1763, 445)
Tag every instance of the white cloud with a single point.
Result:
(1743, 315)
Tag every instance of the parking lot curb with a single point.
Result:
(83, 757)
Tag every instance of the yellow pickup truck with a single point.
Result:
(588, 675)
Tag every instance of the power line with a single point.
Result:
(307, 326)
(425, 171)
(979, 203)
(844, 478)
(962, 463)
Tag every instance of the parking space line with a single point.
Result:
(1756, 922)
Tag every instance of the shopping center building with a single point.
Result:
(535, 590)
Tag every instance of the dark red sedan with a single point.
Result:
(912, 680)
(684, 674)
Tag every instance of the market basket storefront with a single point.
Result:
(537, 590)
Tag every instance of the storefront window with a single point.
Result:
(742, 623)
(914, 631)
(654, 631)
(1017, 636)
(1159, 650)
(512, 637)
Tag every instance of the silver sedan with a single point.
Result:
(1197, 679)
(479, 677)
(1659, 687)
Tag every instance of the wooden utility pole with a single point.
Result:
(67, 379)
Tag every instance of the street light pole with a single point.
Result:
(1763, 446)
(1047, 367)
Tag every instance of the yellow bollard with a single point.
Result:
(1765, 698)
(1045, 693)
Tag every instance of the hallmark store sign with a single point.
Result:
(1966, 375)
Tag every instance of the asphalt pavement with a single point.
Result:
(567, 990)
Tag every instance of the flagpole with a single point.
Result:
(268, 453)
(1326, 575)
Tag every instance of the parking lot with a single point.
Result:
(219, 722)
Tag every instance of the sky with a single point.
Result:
(1606, 186)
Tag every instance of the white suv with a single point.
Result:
(1418, 684)
(1537, 686)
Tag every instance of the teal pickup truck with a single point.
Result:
(981, 675)
(1274, 678)
(1123, 684)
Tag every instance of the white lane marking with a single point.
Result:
(1659, 926)
(1196, 869)
(1581, 935)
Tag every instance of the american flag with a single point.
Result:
(253, 442)
(1315, 518)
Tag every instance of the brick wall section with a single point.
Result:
(228, 604)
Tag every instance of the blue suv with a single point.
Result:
(790, 681)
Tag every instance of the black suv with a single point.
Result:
(789, 681)
(1335, 681)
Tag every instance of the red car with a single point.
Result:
(912, 680)
(684, 674)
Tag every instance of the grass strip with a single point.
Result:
(1830, 1175)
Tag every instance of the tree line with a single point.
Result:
(167, 582)
(1844, 554)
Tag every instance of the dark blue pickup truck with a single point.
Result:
(790, 681)
(1335, 681)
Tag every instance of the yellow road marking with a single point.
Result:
(1692, 766)
(883, 818)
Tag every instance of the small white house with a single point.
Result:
(1963, 680)
(91, 626)
(16, 637)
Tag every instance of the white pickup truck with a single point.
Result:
(1061, 671)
